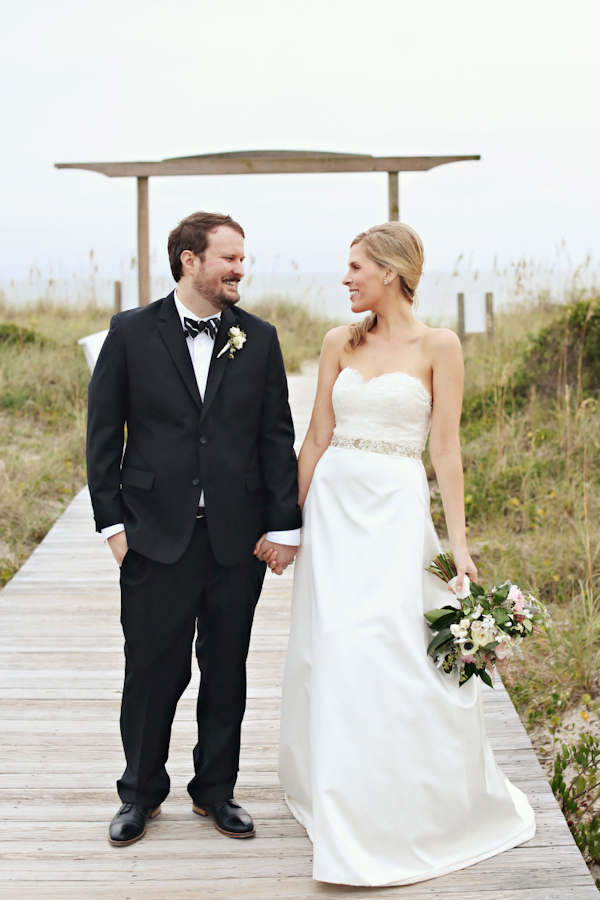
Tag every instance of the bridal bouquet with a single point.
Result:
(485, 630)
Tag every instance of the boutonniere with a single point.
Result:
(236, 339)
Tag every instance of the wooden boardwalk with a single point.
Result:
(61, 674)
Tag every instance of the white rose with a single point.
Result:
(457, 631)
(477, 611)
(234, 332)
(466, 588)
(479, 632)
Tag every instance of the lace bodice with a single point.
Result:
(393, 408)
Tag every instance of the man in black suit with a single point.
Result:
(207, 469)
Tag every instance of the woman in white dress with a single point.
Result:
(384, 759)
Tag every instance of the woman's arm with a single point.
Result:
(447, 366)
(322, 421)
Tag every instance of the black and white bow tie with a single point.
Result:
(193, 327)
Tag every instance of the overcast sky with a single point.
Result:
(516, 81)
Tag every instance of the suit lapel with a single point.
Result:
(172, 334)
(218, 363)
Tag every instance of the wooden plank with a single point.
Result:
(250, 164)
(282, 889)
(62, 656)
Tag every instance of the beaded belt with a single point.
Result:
(391, 448)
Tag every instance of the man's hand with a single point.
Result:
(118, 545)
(277, 556)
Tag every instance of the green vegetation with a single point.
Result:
(531, 436)
(43, 392)
(43, 398)
(576, 786)
(300, 332)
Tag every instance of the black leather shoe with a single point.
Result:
(129, 824)
(229, 818)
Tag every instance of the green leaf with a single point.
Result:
(438, 640)
(501, 616)
(527, 625)
(477, 590)
(485, 676)
(434, 614)
(446, 621)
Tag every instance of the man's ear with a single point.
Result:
(187, 261)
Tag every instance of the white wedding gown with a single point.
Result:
(384, 759)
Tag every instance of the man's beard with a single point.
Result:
(214, 294)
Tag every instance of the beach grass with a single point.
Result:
(531, 442)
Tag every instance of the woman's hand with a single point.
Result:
(464, 566)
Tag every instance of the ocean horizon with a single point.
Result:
(324, 293)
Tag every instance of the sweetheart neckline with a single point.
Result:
(386, 375)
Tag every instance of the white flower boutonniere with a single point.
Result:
(236, 339)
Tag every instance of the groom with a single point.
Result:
(207, 467)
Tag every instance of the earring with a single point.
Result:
(386, 281)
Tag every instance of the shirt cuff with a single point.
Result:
(110, 530)
(290, 538)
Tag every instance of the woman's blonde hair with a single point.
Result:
(395, 246)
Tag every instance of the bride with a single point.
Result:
(384, 759)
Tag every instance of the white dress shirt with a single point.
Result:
(200, 349)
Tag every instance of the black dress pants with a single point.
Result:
(162, 608)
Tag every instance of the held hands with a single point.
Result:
(277, 556)
(118, 545)
(464, 566)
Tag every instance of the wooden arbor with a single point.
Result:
(255, 162)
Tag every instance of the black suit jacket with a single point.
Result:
(237, 445)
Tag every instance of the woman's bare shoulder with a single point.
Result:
(336, 338)
(442, 340)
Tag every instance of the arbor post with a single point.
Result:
(393, 197)
(143, 242)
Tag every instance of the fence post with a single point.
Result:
(489, 316)
(118, 297)
(461, 318)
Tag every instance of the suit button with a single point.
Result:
(195, 481)
(203, 440)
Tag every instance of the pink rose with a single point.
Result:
(518, 598)
(503, 651)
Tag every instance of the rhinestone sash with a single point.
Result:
(391, 448)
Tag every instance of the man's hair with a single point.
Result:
(192, 234)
